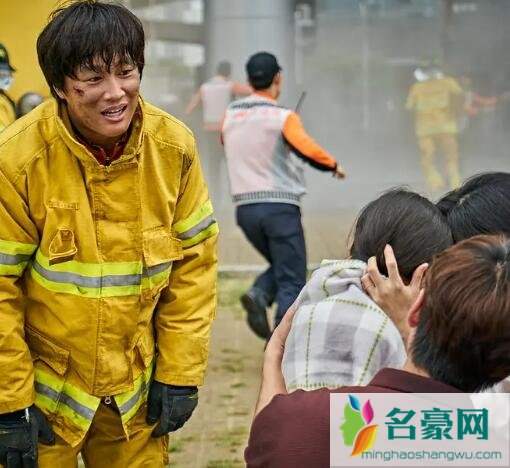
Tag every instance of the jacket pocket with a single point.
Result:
(44, 349)
(146, 347)
(160, 247)
(62, 247)
(160, 250)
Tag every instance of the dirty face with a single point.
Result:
(101, 102)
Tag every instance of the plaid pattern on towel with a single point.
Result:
(339, 336)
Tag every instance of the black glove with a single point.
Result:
(172, 405)
(19, 434)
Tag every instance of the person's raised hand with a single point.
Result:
(390, 293)
(339, 173)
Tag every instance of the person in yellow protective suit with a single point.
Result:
(107, 258)
(434, 99)
(7, 106)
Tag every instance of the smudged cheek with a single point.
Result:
(78, 92)
(86, 96)
(132, 87)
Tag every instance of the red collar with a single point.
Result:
(104, 157)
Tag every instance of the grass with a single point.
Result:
(230, 288)
(225, 463)
(238, 412)
(237, 385)
(230, 351)
(232, 438)
(175, 445)
(233, 366)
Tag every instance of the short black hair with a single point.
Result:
(224, 68)
(84, 31)
(262, 84)
(463, 333)
(410, 223)
(480, 206)
(261, 68)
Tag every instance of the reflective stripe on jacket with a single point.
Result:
(97, 261)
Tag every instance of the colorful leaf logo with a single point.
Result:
(354, 402)
(364, 440)
(367, 412)
(356, 429)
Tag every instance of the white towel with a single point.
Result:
(339, 336)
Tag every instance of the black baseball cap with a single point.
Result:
(4, 59)
(261, 68)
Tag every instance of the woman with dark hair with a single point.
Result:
(481, 205)
(339, 336)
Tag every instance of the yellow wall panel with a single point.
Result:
(21, 21)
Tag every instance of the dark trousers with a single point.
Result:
(275, 230)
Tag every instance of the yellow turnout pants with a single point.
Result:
(428, 145)
(106, 446)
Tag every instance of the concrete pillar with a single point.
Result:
(235, 29)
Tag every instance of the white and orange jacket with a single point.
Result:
(265, 145)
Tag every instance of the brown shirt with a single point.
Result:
(293, 430)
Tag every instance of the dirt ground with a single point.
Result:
(216, 435)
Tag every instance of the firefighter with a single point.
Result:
(435, 100)
(7, 106)
(107, 257)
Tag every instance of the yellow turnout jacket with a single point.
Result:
(433, 103)
(7, 114)
(107, 274)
